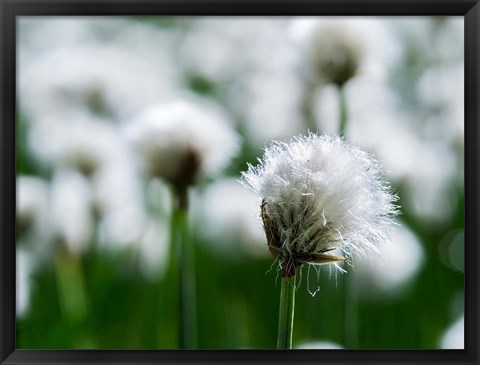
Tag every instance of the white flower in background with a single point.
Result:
(414, 146)
(85, 143)
(183, 141)
(415, 158)
(125, 222)
(375, 116)
(38, 35)
(24, 269)
(158, 197)
(226, 216)
(339, 49)
(320, 194)
(122, 227)
(210, 49)
(33, 230)
(334, 54)
(441, 88)
(153, 249)
(431, 184)
(118, 195)
(400, 263)
(448, 34)
(97, 78)
(32, 206)
(266, 96)
(71, 210)
(432, 39)
(118, 184)
(319, 345)
(262, 87)
(268, 101)
(454, 336)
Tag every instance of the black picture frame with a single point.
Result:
(10, 9)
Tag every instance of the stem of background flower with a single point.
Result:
(286, 314)
(350, 281)
(307, 107)
(342, 110)
(73, 298)
(183, 246)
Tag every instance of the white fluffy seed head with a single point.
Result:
(320, 194)
(32, 205)
(335, 52)
(183, 141)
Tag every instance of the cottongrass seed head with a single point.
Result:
(320, 197)
(336, 51)
(183, 141)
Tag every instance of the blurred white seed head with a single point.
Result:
(95, 77)
(121, 227)
(154, 249)
(32, 205)
(118, 196)
(334, 53)
(339, 49)
(319, 345)
(24, 269)
(84, 142)
(320, 194)
(268, 99)
(71, 210)
(227, 218)
(441, 88)
(400, 262)
(426, 166)
(183, 141)
(454, 336)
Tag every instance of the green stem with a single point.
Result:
(351, 311)
(184, 252)
(287, 310)
(73, 297)
(343, 113)
(307, 107)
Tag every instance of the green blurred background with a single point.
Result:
(89, 277)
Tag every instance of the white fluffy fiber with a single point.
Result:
(323, 194)
(164, 134)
